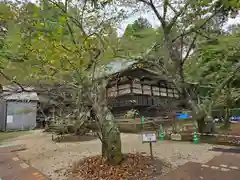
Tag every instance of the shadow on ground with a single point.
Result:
(226, 150)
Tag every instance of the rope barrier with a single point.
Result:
(225, 135)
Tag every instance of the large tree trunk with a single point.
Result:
(227, 119)
(227, 109)
(201, 125)
(111, 142)
(178, 61)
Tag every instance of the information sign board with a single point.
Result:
(149, 137)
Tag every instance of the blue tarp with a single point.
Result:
(186, 116)
(183, 116)
(236, 118)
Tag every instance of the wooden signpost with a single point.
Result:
(149, 137)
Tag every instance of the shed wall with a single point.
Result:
(2, 115)
(21, 115)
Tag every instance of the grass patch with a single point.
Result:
(234, 129)
(9, 135)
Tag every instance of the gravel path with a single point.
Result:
(53, 158)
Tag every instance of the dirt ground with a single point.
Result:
(54, 158)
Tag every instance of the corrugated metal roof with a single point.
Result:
(21, 96)
(15, 94)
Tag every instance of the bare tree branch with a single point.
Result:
(194, 29)
(181, 46)
(189, 49)
(177, 15)
(74, 20)
(153, 7)
(172, 8)
(201, 34)
(12, 81)
(165, 7)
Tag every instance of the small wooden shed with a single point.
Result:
(18, 109)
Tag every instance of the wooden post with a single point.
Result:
(149, 137)
(151, 151)
(142, 122)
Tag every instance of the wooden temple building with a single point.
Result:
(136, 88)
(142, 90)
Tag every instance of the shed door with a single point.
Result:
(21, 115)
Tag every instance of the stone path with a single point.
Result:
(13, 168)
(223, 167)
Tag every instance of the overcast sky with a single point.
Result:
(155, 22)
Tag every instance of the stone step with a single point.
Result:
(225, 162)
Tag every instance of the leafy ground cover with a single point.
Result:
(135, 166)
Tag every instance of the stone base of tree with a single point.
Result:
(133, 166)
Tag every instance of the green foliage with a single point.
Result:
(138, 38)
(132, 113)
(139, 42)
(138, 25)
(9, 135)
(215, 61)
(48, 44)
(55, 43)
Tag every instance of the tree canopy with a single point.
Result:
(67, 42)
(47, 41)
(215, 60)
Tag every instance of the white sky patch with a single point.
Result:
(155, 22)
(232, 21)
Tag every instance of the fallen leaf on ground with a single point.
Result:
(134, 167)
